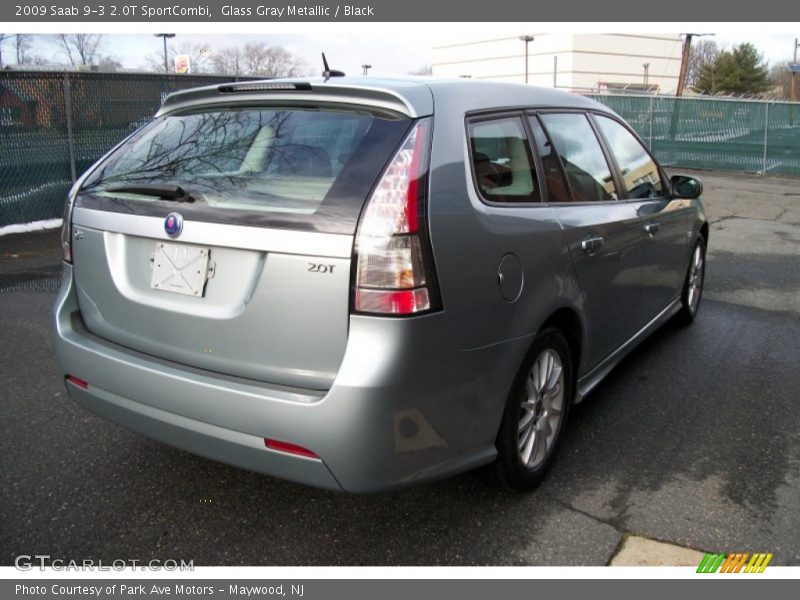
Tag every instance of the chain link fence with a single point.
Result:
(53, 125)
(713, 133)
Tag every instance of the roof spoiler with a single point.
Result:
(417, 104)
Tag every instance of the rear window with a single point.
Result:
(274, 166)
(581, 155)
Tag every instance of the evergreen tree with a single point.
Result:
(741, 70)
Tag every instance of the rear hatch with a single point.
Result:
(222, 237)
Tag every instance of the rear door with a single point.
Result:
(663, 220)
(222, 238)
(603, 234)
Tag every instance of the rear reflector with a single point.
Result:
(396, 302)
(79, 382)
(288, 448)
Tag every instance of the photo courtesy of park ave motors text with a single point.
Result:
(496, 295)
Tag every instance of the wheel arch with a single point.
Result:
(704, 231)
(567, 320)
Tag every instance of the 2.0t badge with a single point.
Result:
(173, 225)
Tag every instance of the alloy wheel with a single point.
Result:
(695, 279)
(542, 409)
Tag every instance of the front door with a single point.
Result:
(663, 220)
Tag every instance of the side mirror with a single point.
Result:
(683, 186)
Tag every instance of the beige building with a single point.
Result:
(571, 61)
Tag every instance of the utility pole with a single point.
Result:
(527, 39)
(365, 69)
(164, 36)
(687, 44)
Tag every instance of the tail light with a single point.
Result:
(394, 263)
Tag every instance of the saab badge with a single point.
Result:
(173, 225)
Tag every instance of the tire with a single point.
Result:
(523, 461)
(692, 291)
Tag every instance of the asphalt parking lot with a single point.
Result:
(694, 440)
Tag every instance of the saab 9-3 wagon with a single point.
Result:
(366, 284)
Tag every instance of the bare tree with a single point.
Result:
(3, 37)
(22, 45)
(80, 48)
(109, 63)
(423, 70)
(228, 61)
(258, 59)
(271, 61)
(702, 52)
(780, 79)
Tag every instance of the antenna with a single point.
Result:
(328, 72)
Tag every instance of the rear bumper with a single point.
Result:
(405, 406)
(232, 447)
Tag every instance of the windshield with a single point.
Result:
(288, 161)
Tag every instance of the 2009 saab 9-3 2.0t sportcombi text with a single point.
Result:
(364, 284)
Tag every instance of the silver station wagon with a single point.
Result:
(363, 284)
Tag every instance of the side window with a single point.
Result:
(582, 156)
(639, 171)
(557, 190)
(501, 161)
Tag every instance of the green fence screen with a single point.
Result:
(710, 133)
(54, 125)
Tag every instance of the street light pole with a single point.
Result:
(164, 36)
(527, 39)
(366, 69)
(794, 72)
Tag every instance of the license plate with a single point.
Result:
(180, 269)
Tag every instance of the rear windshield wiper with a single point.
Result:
(172, 193)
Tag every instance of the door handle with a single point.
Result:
(652, 227)
(591, 244)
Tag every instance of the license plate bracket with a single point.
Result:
(180, 269)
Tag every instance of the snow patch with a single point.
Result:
(35, 226)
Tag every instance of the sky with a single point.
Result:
(389, 54)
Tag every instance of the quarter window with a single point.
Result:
(501, 161)
(638, 169)
(582, 156)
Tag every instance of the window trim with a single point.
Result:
(533, 158)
